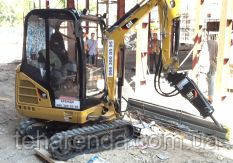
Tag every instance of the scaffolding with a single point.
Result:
(103, 6)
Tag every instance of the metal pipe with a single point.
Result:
(47, 4)
(215, 121)
(186, 57)
(90, 18)
(87, 23)
(178, 117)
(39, 4)
(142, 2)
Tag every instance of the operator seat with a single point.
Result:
(58, 47)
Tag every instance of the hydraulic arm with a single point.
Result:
(168, 64)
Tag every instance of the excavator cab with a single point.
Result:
(59, 92)
(53, 77)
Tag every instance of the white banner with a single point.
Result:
(67, 102)
(110, 58)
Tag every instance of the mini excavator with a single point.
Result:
(51, 81)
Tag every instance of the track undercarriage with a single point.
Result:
(66, 143)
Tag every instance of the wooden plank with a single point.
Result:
(45, 155)
(221, 47)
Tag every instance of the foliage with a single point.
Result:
(13, 11)
(57, 3)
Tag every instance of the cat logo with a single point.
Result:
(129, 24)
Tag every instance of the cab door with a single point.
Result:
(64, 65)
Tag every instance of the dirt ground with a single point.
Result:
(10, 152)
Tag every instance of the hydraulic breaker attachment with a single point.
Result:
(188, 89)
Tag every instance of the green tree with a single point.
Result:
(12, 12)
(7, 14)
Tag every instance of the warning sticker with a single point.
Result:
(67, 102)
(110, 58)
(182, 83)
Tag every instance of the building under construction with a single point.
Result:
(116, 81)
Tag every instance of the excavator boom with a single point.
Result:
(169, 15)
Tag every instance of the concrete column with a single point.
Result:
(87, 23)
(70, 29)
(120, 8)
(141, 57)
(223, 77)
(197, 37)
(70, 4)
(39, 4)
(47, 4)
(221, 48)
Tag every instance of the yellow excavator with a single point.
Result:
(52, 84)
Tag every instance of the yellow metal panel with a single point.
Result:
(166, 13)
(42, 109)
(118, 36)
(57, 114)
(24, 85)
(166, 16)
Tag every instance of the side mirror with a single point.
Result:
(172, 3)
(104, 15)
(85, 11)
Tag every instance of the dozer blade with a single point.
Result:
(178, 118)
(99, 137)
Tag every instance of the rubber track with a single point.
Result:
(97, 130)
(23, 125)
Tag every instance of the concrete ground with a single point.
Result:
(223, 109)
(10, 152)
